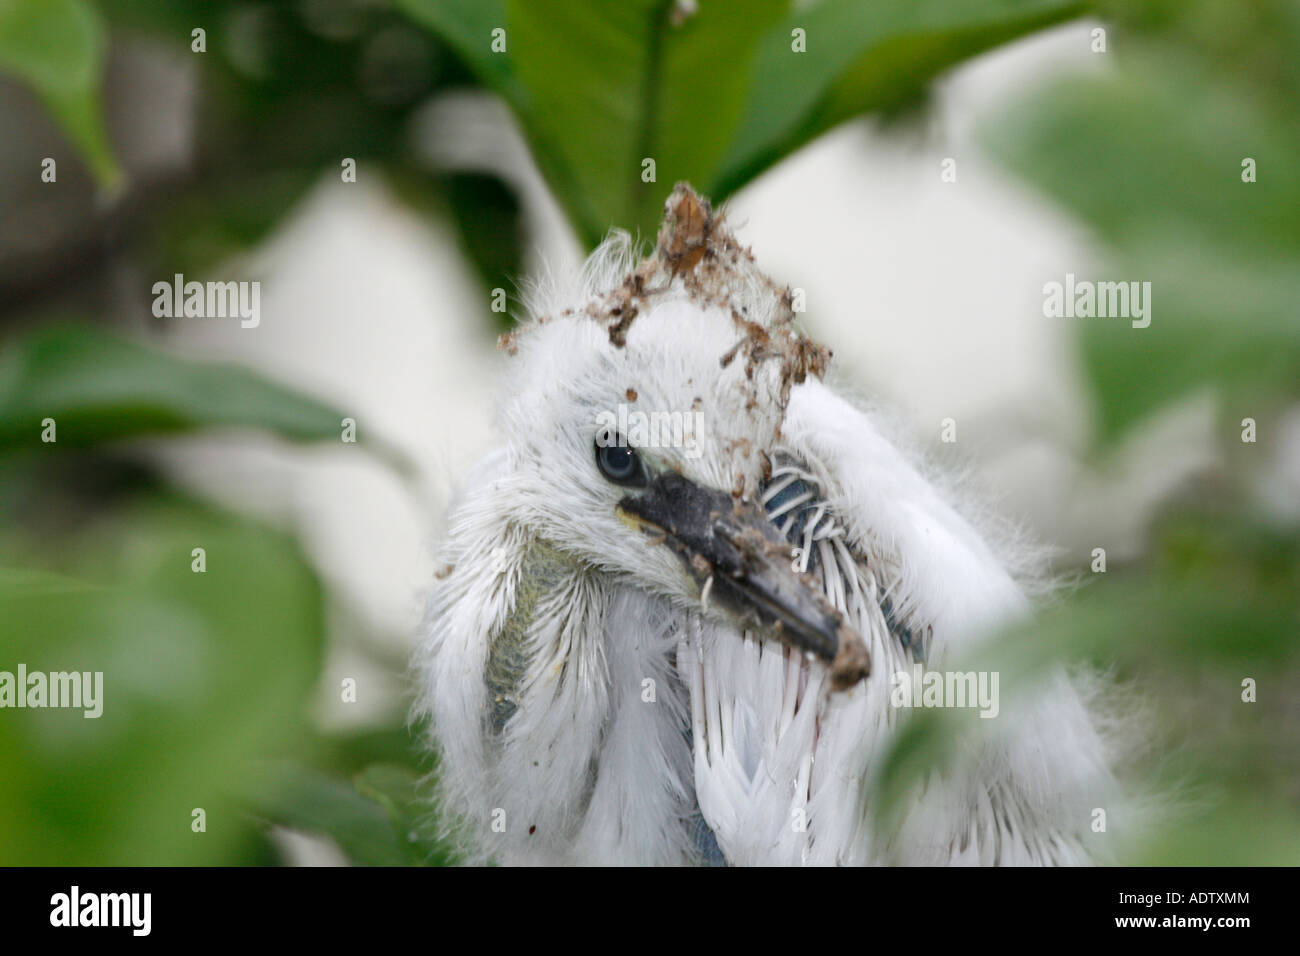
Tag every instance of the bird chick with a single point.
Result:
(678, 593)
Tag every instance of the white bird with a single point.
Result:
(663, 592)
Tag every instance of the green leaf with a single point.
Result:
(490, 220)
(862, 57)
(348, 753)
(926, 741)
(98, 387)
(1221, 317)
(308, 800)
(1131, 155)
(58, 47)
(377, 820)
(617, 85)
(601, 88)
(1242, 831)
(713, 99)
(204, 675)
(1219, 600)
(199, 231)
(466, 26)
(398, 790)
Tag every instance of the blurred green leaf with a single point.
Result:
(377, 820)
(491, 229)
(1130, 154)
(201, 230)
(1221, 597)
(398, 790)
(347, 753)
(1225, 320)
(926, 742)
(58, 47)
(98, 387)
(1132, 146)
(203, 674)
(467, 27)
(862, 57)
(313, 802)
(1252, 44)
(1241, 829)
(16, 581)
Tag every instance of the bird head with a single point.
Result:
(642, 424)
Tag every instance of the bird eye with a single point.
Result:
(618, 461)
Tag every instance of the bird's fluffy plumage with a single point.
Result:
(588, 706)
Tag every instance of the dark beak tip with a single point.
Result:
(852, 662)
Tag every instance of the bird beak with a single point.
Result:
(740, 559)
